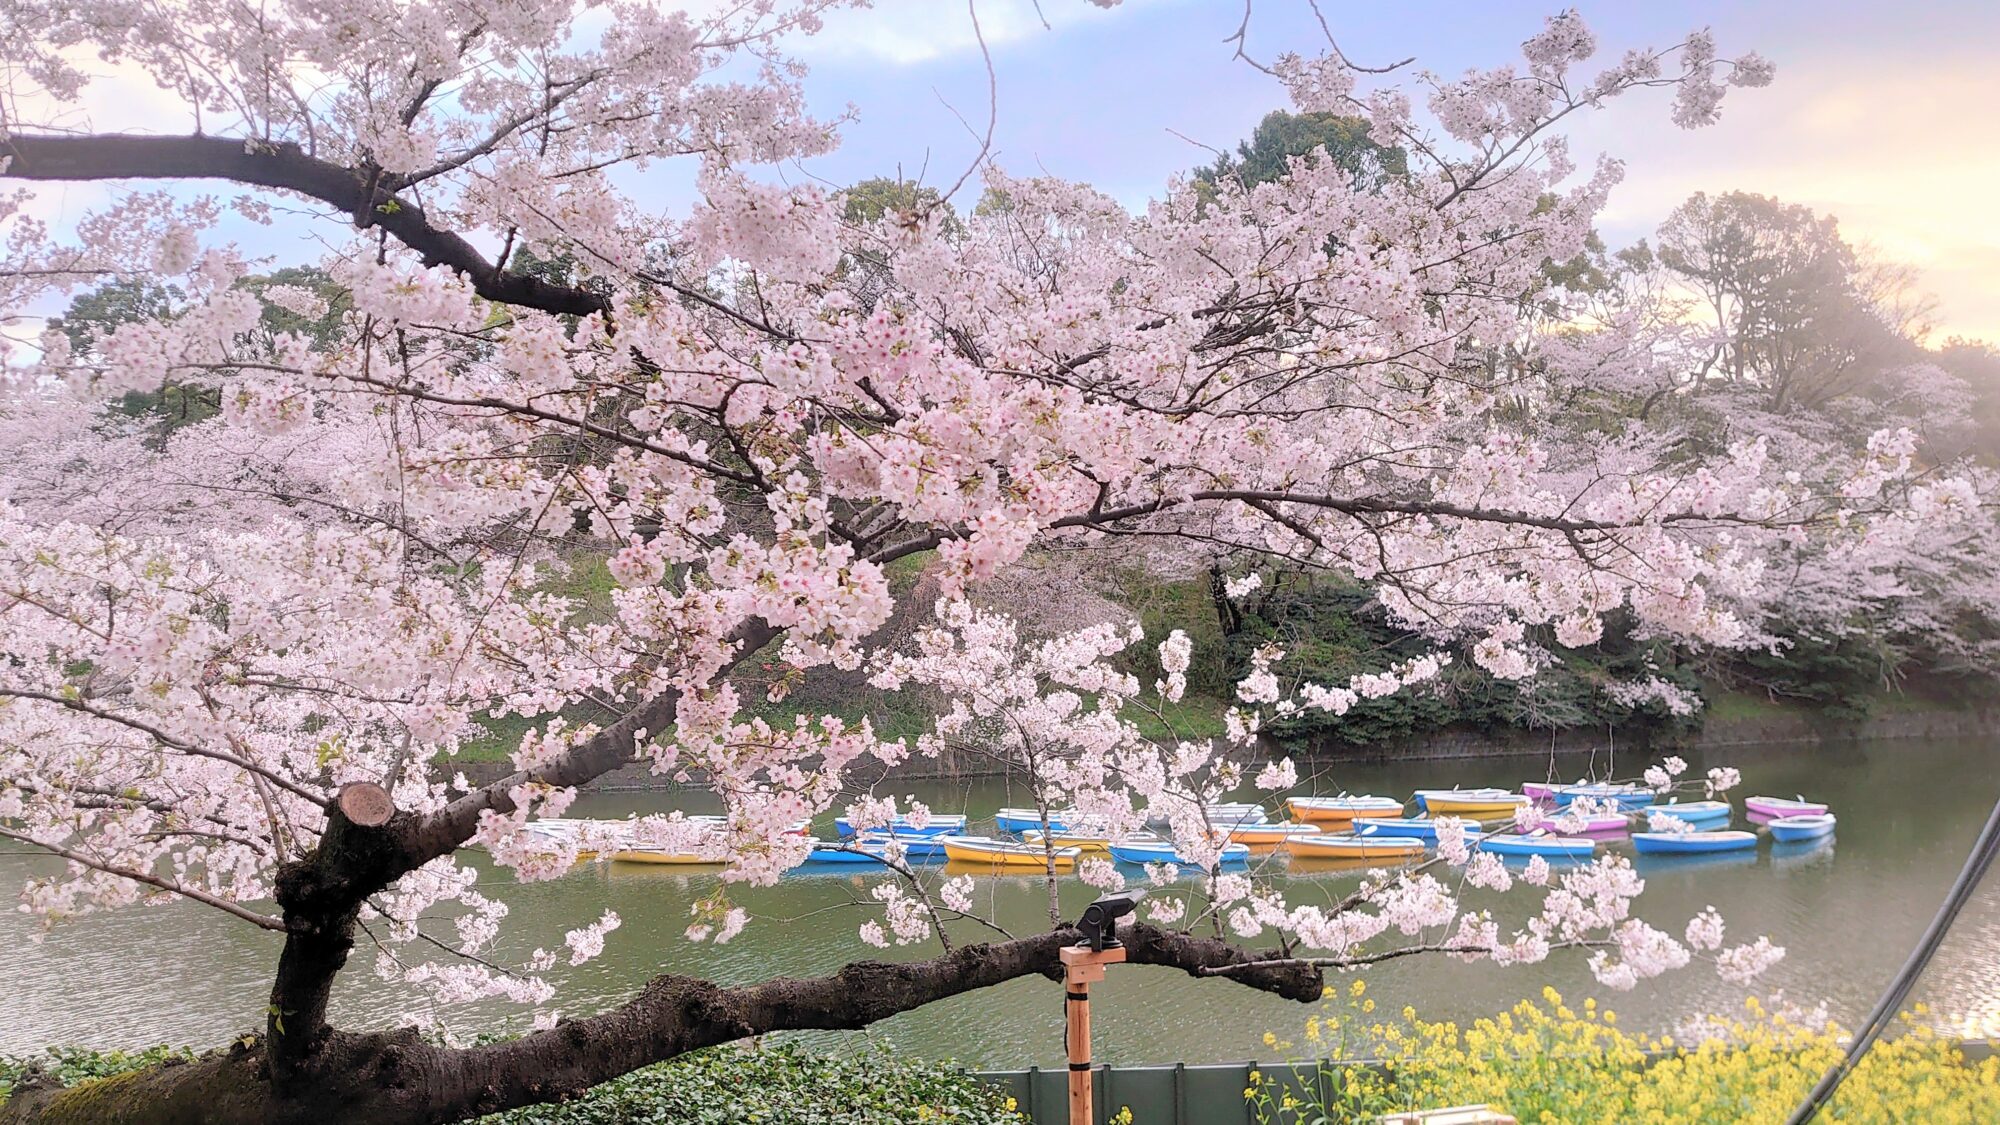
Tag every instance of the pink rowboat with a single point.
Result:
(1538, 790)
(1612, 822)
(1782, 806)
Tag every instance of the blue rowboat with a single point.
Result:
(1162, 851)
(1692, 843)
(1793, 828)
(1029, 820)
(914, 847)
(1624, 796)
(1552, 846)
(845, 851)
(1422, 828)
(936, 826)
(1694, 812)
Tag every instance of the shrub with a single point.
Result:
(742, 1085)
(1549, 1064)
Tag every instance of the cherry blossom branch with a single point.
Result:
(1388, 955)
(150, 880)
(169, 741)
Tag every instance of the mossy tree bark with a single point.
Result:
(322, 1074)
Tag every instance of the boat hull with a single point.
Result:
(999, 853)
(1355, 847)
(1692, 843)
(1341, 810)
(1546, 846)
(674, 859)
(1792, 829)
(1624, 796)
(936, 826)
(1165, 853)
(1395, 826)
(1781, 806)
(1479, 804)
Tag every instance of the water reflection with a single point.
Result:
(1848, 915)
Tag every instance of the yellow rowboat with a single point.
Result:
(1355, 847)
(648, 855)
(1477, 803)
(1340, 810)
(1082, 841)
(988, 852)
(1265, 837)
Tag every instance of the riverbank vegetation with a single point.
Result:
(1549, 1063)
(721, 1086)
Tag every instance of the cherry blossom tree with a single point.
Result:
(236, 659)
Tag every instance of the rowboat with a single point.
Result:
(1782, 806)
(1421, 828)
(936, 825)
(1270, 835)
(1223, 815)
(1624, 796)
(1588, 825)
(1538, 790)
(846, 851)
(1469, 802)
(652, 855)
(989, 852)
(1088, 843)
(914, 847)
(1132, 850)
(1326, 846)
(1693, 812)
(1029, 820)
(1692, 843)
(1554, 846)
(1809, 827)
(1340, 810)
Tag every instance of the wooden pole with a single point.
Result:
(1081, 967)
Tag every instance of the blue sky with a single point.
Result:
(1886, 114)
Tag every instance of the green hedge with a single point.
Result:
(720, 1086)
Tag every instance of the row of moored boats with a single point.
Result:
(1574, 820)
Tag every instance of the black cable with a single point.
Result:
(1976, 864)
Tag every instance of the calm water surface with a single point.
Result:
(1847, 913)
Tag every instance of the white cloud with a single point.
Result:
(907, 32)
(1900, 150)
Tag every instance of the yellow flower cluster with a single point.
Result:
(1549, 1064)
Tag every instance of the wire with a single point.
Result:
(1976, 864)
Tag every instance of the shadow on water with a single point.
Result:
(1908, 812)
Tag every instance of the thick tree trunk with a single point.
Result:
(396, 1078)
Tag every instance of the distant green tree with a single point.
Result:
(320, 330)
(121, 301)
(1281, 136)
(870, 200)
(177, 404)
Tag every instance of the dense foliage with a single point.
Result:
(1550, 1064)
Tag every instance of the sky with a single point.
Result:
(1884, 114)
